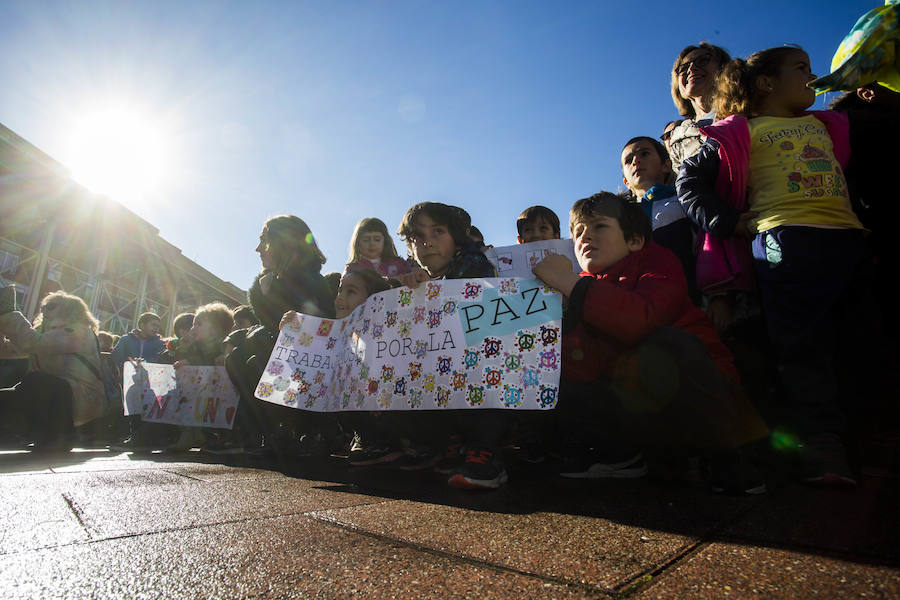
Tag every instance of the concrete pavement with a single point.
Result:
(101, 524)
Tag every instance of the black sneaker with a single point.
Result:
(590, 464)
(378, 453)
(732, 474)
(823, 461)
(219, 445)
(133, 443)
(483, 469)
(452, 457)
(416, 458)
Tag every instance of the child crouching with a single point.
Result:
(642, 366)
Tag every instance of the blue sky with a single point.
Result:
(336, 110)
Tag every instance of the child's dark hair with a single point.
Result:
(373, 281)
(657, 145)
(533, 212)
(475, 234)
(371, 225)
(334, 281)
(456, 220)
(736, 91)
(182, 321)
(245, 312)
(631, 217)
(684, 106)
(145, 317)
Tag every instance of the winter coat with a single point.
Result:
(132, 346)
(613, 311)
(53, 351)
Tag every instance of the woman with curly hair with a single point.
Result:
(62, 395)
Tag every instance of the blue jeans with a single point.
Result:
(817, 298)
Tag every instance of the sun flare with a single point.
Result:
(119, 153)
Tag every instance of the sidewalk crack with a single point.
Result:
(76, 510)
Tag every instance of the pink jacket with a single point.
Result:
(727, 264)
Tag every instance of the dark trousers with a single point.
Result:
(816, 287)
(666, 392)
(39, 408)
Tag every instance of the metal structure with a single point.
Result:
(57, 235)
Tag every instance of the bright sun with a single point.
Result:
(119, 153)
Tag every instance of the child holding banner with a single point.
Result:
(642, 366)
(437, 237)
(373, 443)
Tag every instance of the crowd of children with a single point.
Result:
(741, 221)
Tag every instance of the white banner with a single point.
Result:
(518, 260)
(191, 396)
(449, 344)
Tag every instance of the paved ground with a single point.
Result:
(98, 524)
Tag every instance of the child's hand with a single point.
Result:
(556, 271)
(719, 311)
(291, 316)
(413, 278)
(745, 227)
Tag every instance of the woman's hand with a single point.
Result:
(291, 316)
(181, 363)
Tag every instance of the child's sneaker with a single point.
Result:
(452, 457)
(590, 464)
(823, 461)
(483, 469)
(377, 453)
(732, 474)
(416, 458)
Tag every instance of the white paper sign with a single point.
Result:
(518, 260)
(191, 396)
(449, 344)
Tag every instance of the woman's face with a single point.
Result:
(371, 244)
(264, 249)
(52, 315)
(697, 74)
(351, 294)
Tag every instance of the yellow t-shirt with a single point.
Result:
(794, 177)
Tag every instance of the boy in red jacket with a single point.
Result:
(642, 366)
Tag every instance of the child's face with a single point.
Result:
(600, 243)
(790, 90)
(433, 246)
(536, 230)
(370, 244)
(150, 327)
(642, 167)
(351, 294)
(203, 331)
